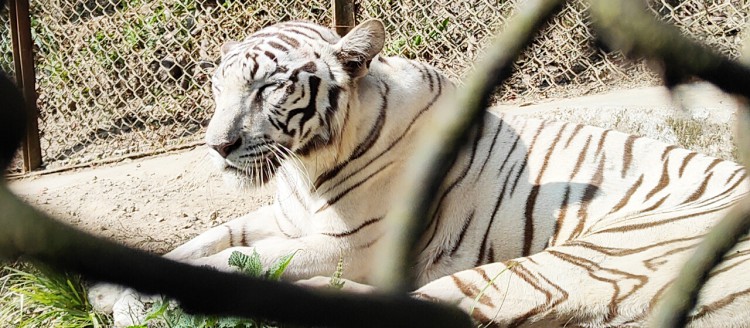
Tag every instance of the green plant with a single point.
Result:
(166, 315)
(252, 266)
(37, 297)
(173, 317)
(336, 282)
(509, 265)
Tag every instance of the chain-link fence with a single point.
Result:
(118, 77)
(564, 60)
(6, 50)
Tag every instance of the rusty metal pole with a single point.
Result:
(23, 59)
(343, 16)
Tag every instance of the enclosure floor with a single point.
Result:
(152, 203)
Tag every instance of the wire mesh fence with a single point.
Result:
(6, 51)
(119, 77)
(564, 60)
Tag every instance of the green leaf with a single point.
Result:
(161, 307)
(443, 24)
(416, 40)
(278, 268)
(247, 264)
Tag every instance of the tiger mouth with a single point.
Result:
(259, 172)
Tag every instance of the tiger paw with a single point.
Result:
(128, 307)
(103, 296)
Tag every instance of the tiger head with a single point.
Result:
(284, 92)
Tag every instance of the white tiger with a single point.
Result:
(567, 225)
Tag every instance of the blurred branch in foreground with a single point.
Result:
(439, 145)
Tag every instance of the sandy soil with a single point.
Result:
(158, 202)
(152, 203)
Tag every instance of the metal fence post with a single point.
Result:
(23, 59)
(343, 16)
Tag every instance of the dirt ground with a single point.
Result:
(158, 202)
(151, 203)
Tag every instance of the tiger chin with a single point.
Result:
(538, 223)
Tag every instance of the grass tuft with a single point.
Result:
(689, 133)
(32, 296)
(39, 297)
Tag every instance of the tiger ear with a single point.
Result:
(360, 46)
(228, 46)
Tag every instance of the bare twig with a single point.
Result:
(627, 26)
(439, 144)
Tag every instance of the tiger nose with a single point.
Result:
(224, 149)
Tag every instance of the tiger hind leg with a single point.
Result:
(579, 285)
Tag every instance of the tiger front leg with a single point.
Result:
(243, 231)
(312, 255)
(128, 306)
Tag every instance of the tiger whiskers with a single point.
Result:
(269, 168)
(340, 129)
(293, 159)
(256, 176)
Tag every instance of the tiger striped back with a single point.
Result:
(537, 223)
